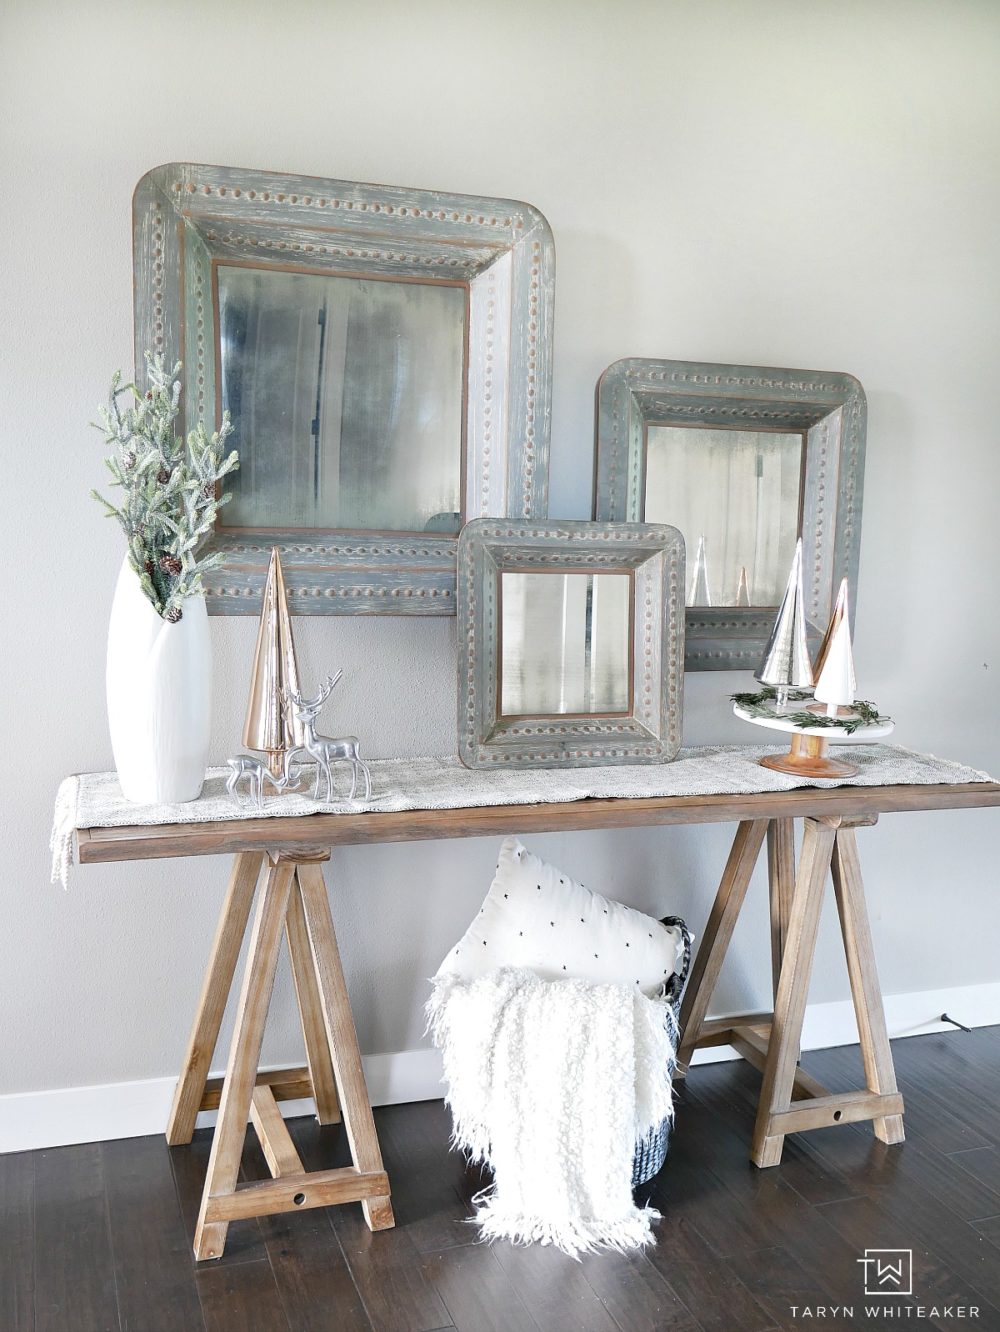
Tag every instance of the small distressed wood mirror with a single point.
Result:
(385, 356)
(570, 642)
(743, 460)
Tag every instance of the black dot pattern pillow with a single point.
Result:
(535, 916)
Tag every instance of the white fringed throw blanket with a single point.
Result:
(550, 1085)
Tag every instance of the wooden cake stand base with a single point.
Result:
(809, 756)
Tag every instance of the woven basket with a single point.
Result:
(651, 1152)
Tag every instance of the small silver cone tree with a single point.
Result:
(785, 664)
(701, 594)
(743, 589)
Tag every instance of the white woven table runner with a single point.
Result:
(94, 799)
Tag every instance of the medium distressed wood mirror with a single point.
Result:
(743, 460)
(571, 643)
(385, 356)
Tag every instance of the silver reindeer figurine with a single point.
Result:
(247, 765)
(324, 749)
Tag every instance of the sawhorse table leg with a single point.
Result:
(791, 1101)
(293, 901)
(781, 888)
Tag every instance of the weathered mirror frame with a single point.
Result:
(651, 731)
(829, 408)
(187, 218)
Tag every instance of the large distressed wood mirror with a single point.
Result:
(385, 356)
(743, 460)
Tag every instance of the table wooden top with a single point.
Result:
(313, 832)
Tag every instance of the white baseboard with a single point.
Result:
(30, 1120)
(914, 1014)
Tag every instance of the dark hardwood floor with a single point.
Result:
(99, 1236)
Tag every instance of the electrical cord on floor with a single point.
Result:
(961, 1025)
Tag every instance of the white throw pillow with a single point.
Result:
(535, 916)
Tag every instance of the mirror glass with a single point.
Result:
(735, 495)
(346, 396)
(565, 643)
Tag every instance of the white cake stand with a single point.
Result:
(809, 755)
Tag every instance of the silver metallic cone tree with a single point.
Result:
(785, 664)
(701, 593)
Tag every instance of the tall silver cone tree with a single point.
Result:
(786, 663)
(170, 485)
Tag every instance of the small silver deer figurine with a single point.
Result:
(324, 749)
(247, 765)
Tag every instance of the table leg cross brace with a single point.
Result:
(293, 901)
(791, 1101)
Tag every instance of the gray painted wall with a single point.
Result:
(774, 183)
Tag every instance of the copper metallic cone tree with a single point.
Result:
(786, 663)
(837, 685)
(275, 670)
(841, 611)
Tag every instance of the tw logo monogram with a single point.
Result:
(888, 1271)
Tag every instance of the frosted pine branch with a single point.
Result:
(169, 485)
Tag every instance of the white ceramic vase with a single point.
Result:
(159, 683)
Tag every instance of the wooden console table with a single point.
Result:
(294, 901)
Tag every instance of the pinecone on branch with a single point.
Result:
(173, 614)
(171, 565)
